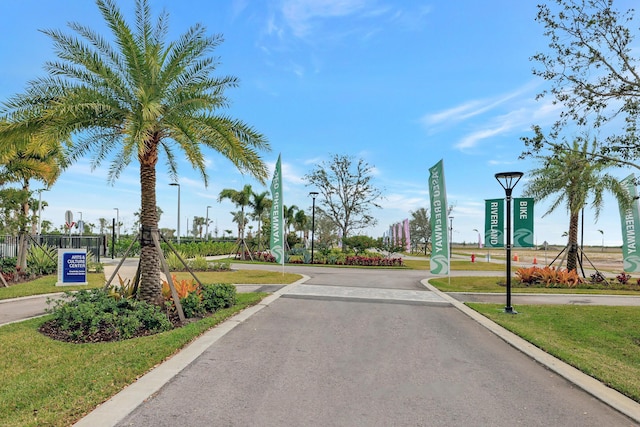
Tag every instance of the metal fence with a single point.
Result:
(96, 244)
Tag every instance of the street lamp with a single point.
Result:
(40, 210)
(80, 224)
(602, 232)
(313, 195)
(207, 224)
(117, 222)
(479, 238)
(175, 184)
(450, 237)
(508, 181)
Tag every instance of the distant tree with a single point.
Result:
(592, 65)
(326, 231)
(260, 203)
(347, 192)
(571, 177)
(300, 222)
(359, 243)
(197, 225)
(420, 228)
(242, 199)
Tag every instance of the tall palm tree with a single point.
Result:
(260, 202)
(241, 198)
(571, 176)
(139, 98)
(289, 214)
(300, 222)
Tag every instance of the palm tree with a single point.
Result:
(572, 177)
(142, 98)
(241, 198)
(289, 214)
(300, 222)
(23, 159)
(260, 202)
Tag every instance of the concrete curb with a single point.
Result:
(122, 404)
(611, 397)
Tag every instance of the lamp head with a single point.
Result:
(313, 194)
(508, 180)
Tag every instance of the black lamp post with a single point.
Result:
(313, 195)
(508, 181)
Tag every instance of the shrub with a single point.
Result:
(597, 277)
(223, 265)
(92, 315)
(42, 259)
(174, 262)
(8, 267)
(183, 287)
(199, 263)
(126, 289)
(192, 305)
(528, 275)
(623, 278)
(217, 296)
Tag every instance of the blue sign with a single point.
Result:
(72, 267)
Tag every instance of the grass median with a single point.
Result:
(47, 382)
(600, 341)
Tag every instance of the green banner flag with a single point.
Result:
(494, 223)
(439, 237)
(523, 222)
(277, 226)
(630, 221)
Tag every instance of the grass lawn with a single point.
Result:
(423, 264)
(46, 382)
(496, 284)
(600, 341)
(47, 284)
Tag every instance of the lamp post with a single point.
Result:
(40, 211)
(175, 184)
(479, 238)
(602, 232)
(206, 233)
(117, 222)
(450, 237)
(313, 195)
(80, 224)
(508, 181)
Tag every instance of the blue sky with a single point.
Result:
(399, 84)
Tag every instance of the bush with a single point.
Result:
(218, 296)
(192, 305)
(92, 316)
(42, 259)
(199, 263)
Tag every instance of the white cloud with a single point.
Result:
(300, 14)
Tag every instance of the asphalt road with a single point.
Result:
(336, 358)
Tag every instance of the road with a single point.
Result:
(366, 348)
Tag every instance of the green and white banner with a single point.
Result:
(277, 226)
(630, 221)
(494, 223)
(523, 222)
(439, 237)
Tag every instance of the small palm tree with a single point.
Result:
(260, 202)
(572, 177)
(241, 198)
(138, 99)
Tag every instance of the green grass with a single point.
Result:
(600, 341)
(496, 284)
(47, 285)
(46, 382)
(242, 277)
(423, 264)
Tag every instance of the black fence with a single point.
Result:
(96, 244)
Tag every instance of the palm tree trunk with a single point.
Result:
(150, 285)
(572, 254)
(22, 236)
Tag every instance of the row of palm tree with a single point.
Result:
(260, 203)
